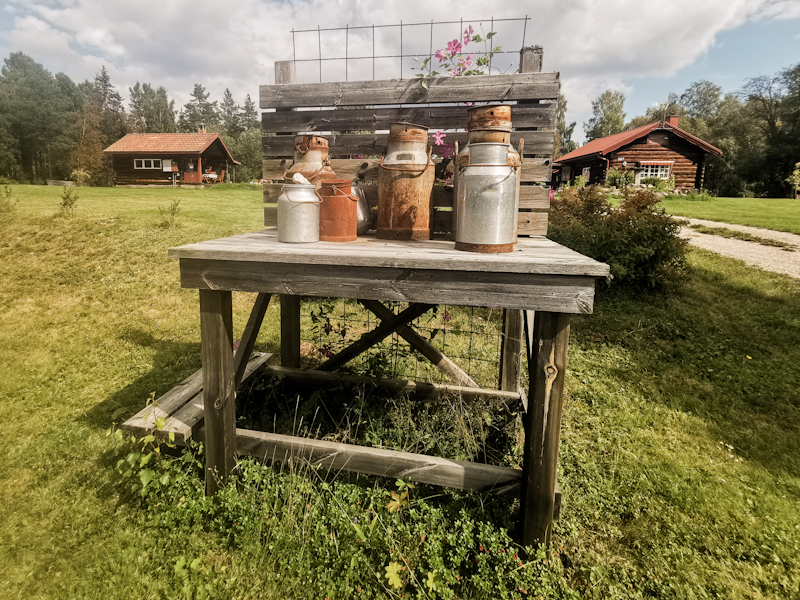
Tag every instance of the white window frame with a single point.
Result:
(147, 163)
(661, 170)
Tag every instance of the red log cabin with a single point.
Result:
(661, 149)
(170, 159)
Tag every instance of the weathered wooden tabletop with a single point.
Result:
(538, 275)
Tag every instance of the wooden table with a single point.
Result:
(547, 281)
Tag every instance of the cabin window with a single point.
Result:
(146, 163)
(661, 170)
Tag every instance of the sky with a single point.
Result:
(644, 48)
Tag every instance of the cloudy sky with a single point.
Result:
(645, 48)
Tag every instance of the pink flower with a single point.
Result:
(447, 152)
(440, 55)
(468, 35)
(438, 136)
(454, 47)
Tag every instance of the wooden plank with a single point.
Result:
(557, 293)
(369, 144)
(216, 344)
(186, 422)
(481, 88)
(143, 422)
(416, 389)
(458, 474)
(248, 339)
(372, 119)
(532, 223)
(290, 330)
(439, 360)
(546, 369)
(536, 255)
(530, 59)
(369, 339)
(510, 351)
(534, 197)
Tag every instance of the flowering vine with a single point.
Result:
(452, 59)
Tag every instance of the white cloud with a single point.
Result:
(596, 45)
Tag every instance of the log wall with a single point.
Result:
(663, 146)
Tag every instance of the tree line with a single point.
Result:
(51, 127)
(757, 128)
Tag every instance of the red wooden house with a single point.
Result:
(661, 149)
(170, 159)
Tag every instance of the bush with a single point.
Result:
(617, 178)
(638, 240)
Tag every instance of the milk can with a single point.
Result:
(338, 213)
(486, 124)
(405, 184)
(485, 201)
(311, 159)
(298, 213)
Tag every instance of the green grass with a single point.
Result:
(680, 456)
(779, 214)
(742, 235)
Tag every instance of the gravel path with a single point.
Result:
(768, 258)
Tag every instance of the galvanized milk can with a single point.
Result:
(405, 183)
(338, 213)
(311, 159)
(486, 124)
(485, 201)
(298, 213)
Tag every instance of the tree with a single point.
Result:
(198, 112)
(609, 118)
(250, 115)
(563, 143)
(150, 111)
(246, 148)
(230, 115)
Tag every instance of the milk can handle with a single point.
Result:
(430, 161)
(353, 198)
(283, 189)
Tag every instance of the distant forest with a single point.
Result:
(50, 126)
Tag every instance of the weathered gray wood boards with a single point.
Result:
(538, 276)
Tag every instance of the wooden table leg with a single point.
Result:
(290, 331)
(219, 404)
(547, 364)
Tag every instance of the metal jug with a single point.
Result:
(405, 184)
(365, 220)
(338, 213)
(298, 214)
(485, 201)
(311, 160)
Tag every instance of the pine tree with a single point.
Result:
(231, 115)
(250, 118)
(198, 112)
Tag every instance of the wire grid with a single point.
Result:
(471, 337)
(347, 29)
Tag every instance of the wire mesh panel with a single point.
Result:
(471, 337)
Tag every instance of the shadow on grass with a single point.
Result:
(723, 345)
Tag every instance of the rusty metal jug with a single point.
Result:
(405, 183)
(338, 213)
(311, 160)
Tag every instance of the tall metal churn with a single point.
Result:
(311, 160)
(405, 183)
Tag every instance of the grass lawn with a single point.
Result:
(680, 456)
(779, 214)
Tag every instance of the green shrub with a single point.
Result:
(69, 197)
(617, 178)
(7, 202)
(692, 196)
(638, 240)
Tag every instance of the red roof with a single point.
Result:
(165, 143)
(610, 143)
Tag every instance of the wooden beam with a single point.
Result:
(216, 335)
(248, 339)
(510, 350)
(395, 387)
(458, 474)
(376, 118)
(375, 336)
(518, 86)
(290, 330)
(546, 369)
(439, 360)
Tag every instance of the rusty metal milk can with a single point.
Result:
(405, 184)
(298, 213)
(311, 159)
(485, 201)
(338, 213)
(491, 123)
